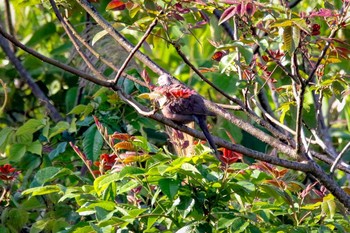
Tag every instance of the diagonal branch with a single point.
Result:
(54, 62)
(74, 41)
(89, 8)
(135, 49)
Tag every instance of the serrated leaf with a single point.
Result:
(30, 127)
(169, 187)
(288, 40)
(92, 143)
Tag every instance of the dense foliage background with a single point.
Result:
(80, 157)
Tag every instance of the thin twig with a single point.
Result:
(283, 68)
(118, 37)
(4, 86)
(74, 41)
(135, 49)
(101, 58)
(336, 161)
(8, 19)
(251, 114)
(300, 91)
(184, 58)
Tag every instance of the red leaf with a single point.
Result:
(180, 9)
(322, 13)
(230, 156)
(116, 5)
(227, 14)
(250, 8)
(219, 55)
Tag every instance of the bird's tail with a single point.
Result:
(200, 120)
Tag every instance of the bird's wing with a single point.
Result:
(194, 105)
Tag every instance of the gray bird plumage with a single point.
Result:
(184, 110)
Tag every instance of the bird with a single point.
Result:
(183, 105)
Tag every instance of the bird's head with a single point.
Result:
(164, 80)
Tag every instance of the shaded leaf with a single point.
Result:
(169, 187)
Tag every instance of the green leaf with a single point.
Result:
(225, 223)
(42, 190)
(128, 186)
(61, 147)
(329, 206)
(17, 151)
(291, 38)
(169, 187)
(42, 33)
(90, 208)
(103, 214)
(186, 205)
(78, 109)
(39, 226)
(288, 39)
(239, 166)
(35, 147)
(59, 128)
(4, 133)
(131, 171)
(98, 36)
(189, 167)
(102, 182)
(48, 174)
(30, 127)
(92, 143)
(16, 219)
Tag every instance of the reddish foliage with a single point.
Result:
(229, 156)
(116, 5)
(219, 55)
(7, 172)
(107, 161)
(121, 136)
(180, 9)
(240, 8)
(269, 168)
(315, 29)
(322, 13)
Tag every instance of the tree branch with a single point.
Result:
(135, 49)
(38, 93)
(55, 62)
(119, 38)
